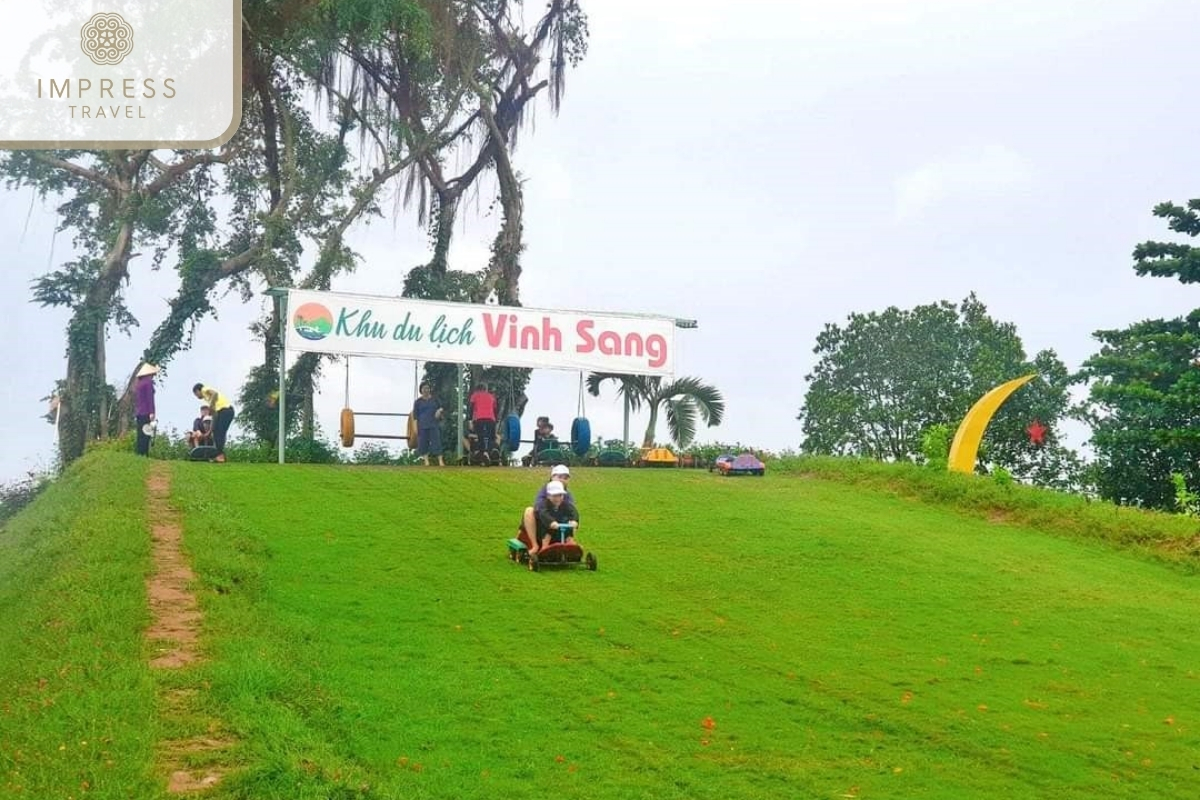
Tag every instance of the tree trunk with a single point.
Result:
(648, 439)
(308, 415)
(102, 377)
(447, 212)
(83, 401)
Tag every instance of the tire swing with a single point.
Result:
(346, 426)
(581, 429)
(512, 432)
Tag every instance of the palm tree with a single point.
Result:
(685, 400)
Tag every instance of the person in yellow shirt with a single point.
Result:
(222, 411)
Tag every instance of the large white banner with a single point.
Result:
(460, 333)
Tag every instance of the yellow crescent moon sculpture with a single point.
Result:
(965, 446)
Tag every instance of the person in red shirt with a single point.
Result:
(483, 414)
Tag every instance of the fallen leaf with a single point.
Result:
(560, 759)
(1169, 721)
(982, 707)
(708, 723)
(907, 698)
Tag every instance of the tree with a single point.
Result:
(1144, 393)
(886, 378)
(686, 401)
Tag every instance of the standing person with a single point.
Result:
(428, 413)
(143, 406)
(483, 414)
(223, 413)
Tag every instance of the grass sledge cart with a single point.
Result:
(744, 464)
(557, 554)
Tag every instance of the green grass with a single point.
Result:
(1172, 538)
(367, 637)
(77, 702)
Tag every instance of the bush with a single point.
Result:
(935, 446)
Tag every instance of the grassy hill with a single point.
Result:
(830, 630)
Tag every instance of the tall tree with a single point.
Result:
(1144, 384)
(115, 202)
(685, 401)
(884, 378)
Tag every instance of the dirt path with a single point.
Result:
(173, 635)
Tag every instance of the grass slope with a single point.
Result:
(771, 637)
(775, 637)
(77, 702)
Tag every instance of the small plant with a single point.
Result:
(1187, 502)
(935, 446)
(1002, 477)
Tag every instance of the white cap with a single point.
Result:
(559, 469)
(555, 487)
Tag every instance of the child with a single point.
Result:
(559, 473)
(557, 519)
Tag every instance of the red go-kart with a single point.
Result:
(555, 554)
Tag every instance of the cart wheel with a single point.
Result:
(591, 561)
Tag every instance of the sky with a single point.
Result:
(764, 168)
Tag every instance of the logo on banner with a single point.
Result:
(313, 321)
(106, 38)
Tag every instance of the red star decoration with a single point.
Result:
(1037, 432)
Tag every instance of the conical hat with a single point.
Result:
(147, 369)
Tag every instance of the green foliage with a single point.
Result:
(1186, 501)
(886, 378)
(687, 401)
(1172, 259)
(935, 445)
(1002, 477)
(1144, 386)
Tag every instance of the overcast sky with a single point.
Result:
(765, 168)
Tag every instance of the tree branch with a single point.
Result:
(90, 175)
